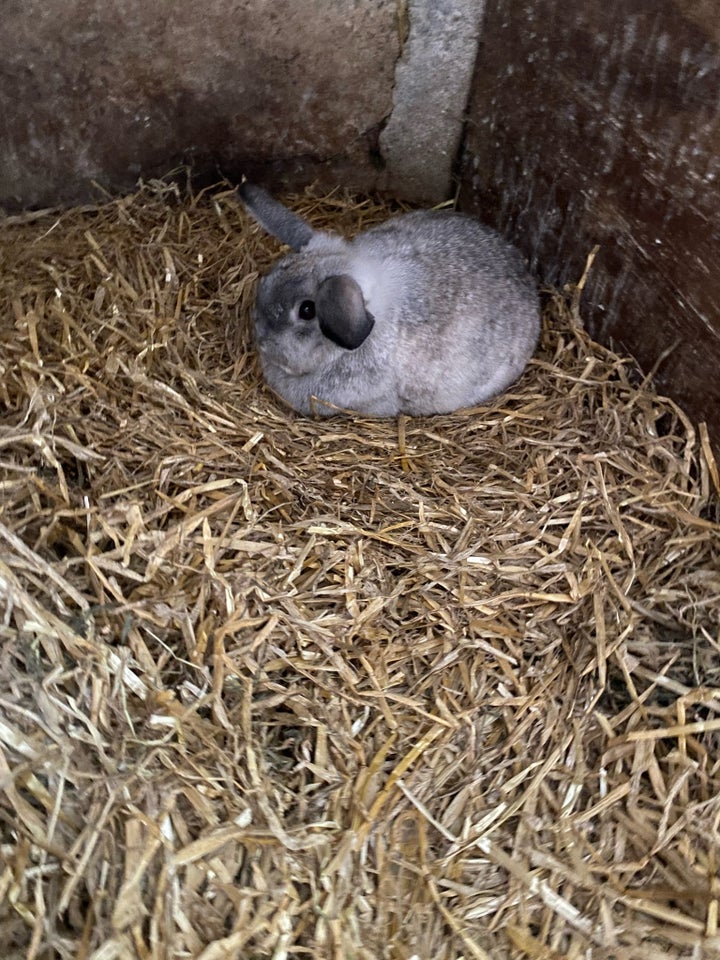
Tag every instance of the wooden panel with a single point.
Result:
(599, 122)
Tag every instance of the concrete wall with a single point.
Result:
(369, 93)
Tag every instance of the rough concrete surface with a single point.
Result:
(109, 90)
(422, 136)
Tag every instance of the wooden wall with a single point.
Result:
(599, 122)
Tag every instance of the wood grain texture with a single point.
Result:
(602, 125)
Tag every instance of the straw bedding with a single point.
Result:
(277, 687)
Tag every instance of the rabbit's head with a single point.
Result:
(305, 315)
(309, 306)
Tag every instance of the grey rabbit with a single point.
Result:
(426, 313)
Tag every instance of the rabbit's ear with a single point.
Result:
(282, 223)
(341, 311)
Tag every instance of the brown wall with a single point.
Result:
(599, 122)
(113, 90)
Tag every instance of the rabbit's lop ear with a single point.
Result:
(282, 223)
(341, 312)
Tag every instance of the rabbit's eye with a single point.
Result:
(307, 310)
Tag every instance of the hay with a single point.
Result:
(275, 687)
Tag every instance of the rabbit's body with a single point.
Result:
(426, 313)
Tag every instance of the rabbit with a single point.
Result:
(427, 313)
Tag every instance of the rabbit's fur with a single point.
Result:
(428, 312)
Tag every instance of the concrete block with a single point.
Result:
(420, 141)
